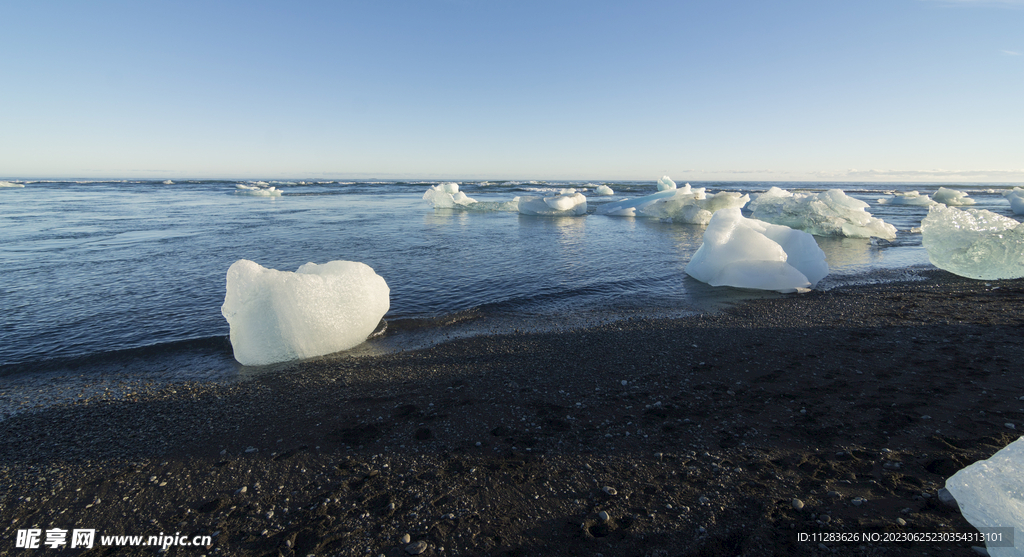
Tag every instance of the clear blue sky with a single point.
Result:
(548, 89)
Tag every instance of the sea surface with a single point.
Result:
(129, 276)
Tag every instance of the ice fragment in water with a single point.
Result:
(259, 189)
(1016, 199)
(604, 190)
(568, 202)
(685, 205)
(974, 243)
(990, 494)
(666, 183)
(827, 213)
(446, 195)
(952, 197)
(748, 253)
(277, 316)
(906, 198)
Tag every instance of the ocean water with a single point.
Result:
(129, 276)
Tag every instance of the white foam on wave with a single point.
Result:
(258, 189)
(4, 184)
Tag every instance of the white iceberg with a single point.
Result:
(665, 183)
(827, 213)
(568, 202)
(683, 205)
(446, 195)
(1016, 199)
(604, 190)
(748, 253)
(951, 197)
(259, 189)
(974, 243)
(906, 198)
(990, 494)
(277, 316)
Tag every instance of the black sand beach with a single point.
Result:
(641, 437)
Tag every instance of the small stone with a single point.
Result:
(242, 490)
(901, 522)
(603, 515)
(624, 382)
(405, 538)
(251, 449)
(798, 504)
(825, 519)
(946, 498)
(858, 501)
(833, 495)
(609, 490)
(1010, 425)
(416, 548)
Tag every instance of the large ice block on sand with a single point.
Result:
(1016, 199)
(974, 243)
(277, 316)
(748, 253)
(685, 205)
(947, 196)
(990, 494)
(827, 213)
(568, 202)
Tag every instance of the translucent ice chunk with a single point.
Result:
(906, 198)
(1016, 199)
(567, 203)
(604, 190)
(748, 253)
(990, 494)
(446, 195)
(827, 213)
(277, 316)
(974, 243)
(952, 197)
(684, 205)
(665, 183)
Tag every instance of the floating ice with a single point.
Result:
(990, 494)
(684, 205)
(1016, 199)
(974, 243)
(4, 184)
(277, 316)
(568, 202)
(666, 183)
(827, 213)
(748, 253)
(952, 197)
(261, 189)
(604, 190)
(446, 195)
(906, 198)
(168, 183)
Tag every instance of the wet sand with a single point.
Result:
(689, 436)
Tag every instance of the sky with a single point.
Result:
(820, 90)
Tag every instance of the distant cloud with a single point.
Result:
(1012, 53)
(936, 174)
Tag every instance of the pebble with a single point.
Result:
(1010, 425)
(901, 522)
(798, 504)
(858, 501)
(416, 548)
(603, 515)
(609, 490)
(405, 538)
(946, 498)
(242, 490)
